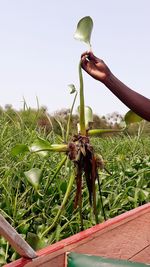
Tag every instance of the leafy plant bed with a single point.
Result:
(128, 187)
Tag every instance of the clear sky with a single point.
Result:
(39, 56)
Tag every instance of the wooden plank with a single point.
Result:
(104, 232)
(15, 240)
(143, 254)
(123, 242)
(58, 261)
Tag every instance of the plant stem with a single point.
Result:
(56, 172)
(82, 112)
(101, 199)
(6, 252)
(53, 148)
(80, 210)
(66, 197)
(94, 204)
(69, 119)
(95, 132)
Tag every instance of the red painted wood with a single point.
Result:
(144, 254)
(84, 234)
(122, 242)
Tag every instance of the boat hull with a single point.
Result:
(126, 236)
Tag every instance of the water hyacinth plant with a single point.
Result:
(79, 154)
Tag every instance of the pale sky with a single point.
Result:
(39, 55)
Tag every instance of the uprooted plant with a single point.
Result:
(77, 149)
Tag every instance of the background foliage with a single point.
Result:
(127, 158)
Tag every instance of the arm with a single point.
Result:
(98, 70)
(136, 102)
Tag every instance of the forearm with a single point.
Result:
(136, 102)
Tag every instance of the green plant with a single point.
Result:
(78, 149)
(126, 157)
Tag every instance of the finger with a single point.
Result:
(84, 58)
(87, 55)
(84, 54)
(90, 56)
(84, 62)
(93, 58)
(86, 65)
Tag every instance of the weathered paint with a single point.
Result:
(126, 236)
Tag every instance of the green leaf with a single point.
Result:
(132, 117)
(88, 116)
(84, 30)
(143, 195)
(42, 147)
(88, 113)
(35, 242)
(39, 145)
(33, 176)
(72, 88)
(19, 149)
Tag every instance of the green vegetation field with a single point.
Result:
(125, 186)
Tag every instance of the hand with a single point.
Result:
(95, 66)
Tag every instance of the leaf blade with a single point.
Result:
(34, 176)
(131, 117)
(19, 149)
(84, 30)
